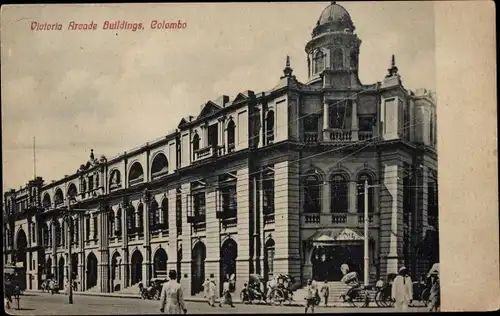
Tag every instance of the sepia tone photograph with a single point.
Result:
(220, 158)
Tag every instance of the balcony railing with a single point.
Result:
(365, 135)
(340, 135)
(230, 147)
(204, 153)
(311, 137)
(338, 219)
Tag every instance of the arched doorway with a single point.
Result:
(21, 251)
(91, 270)
(136, 267)
(60, 273)
(160, 263)
(269, 259)
(115, 272)
(198, 267)
(48, 268)
(228, 254)
(74, 266)
(326, 261)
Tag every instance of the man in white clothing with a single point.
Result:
(402, 290)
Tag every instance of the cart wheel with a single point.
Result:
(378, 297)
(277, 297)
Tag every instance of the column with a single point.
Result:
(244, 213)
(54, 247)
(92, 226)
(146, 267)
(222, 134)
(354, 124)
(212, 261)
(172, 231)
(326, 121)
(287, 232)
(391, 215)
(260, 215)
(353, 197)
(103, 272)
(204, 135)
(185, 278)
(326, 200)
(125, 260)
(81, 255)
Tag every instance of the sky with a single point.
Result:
(112, 91)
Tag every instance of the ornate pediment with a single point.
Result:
(241, 97)
(185, 120)
(209, 108)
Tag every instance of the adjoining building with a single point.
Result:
(267, 183)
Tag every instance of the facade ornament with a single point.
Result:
(146, 195)
(288, 71)
(393, 71)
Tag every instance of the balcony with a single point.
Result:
(365, 135)
(337, 219)
(231, 147)
(204, 153)
(338, 135)
(311, 137)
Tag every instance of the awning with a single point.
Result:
(332, 236)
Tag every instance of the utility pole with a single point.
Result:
(366, 253)
(69, 222)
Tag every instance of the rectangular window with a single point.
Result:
(199, 205)
(178, 212)
(95, 227)
(91, 183)
(213, 135)
(87, 228)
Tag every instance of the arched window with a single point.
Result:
(268, 189)
(87, 227)
(340, 194)
(269, 259)
(95, 226)
(76, 231)
(58, 232)
(111, 223)
(312, 195)
(136, 174)
(72, 192)
(361, 193)
(130, 220)
(338, 59)
(270, 127)
(46, 201)
(231, 129)
(196, 144)
(59, 197)
(319, 62)
(432, 200)
(115, 180)
(118, 220)
(164, 213)
(45, 235)
(159, 166)
(153, 215)
(140, 216)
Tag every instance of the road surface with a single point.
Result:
(57, 304)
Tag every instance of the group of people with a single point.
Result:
(313, 297)
(402, 290)
(210, 291)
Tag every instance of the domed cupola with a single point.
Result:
(334, 18)
(333, 51)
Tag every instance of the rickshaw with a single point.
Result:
(383, 297)
(253, 293)
(280, 289)
(154, 290)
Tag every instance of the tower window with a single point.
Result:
(338, 59)
(319, 62)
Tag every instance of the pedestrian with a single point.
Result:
(52, 286)
(380, 284)
(206, 287)
(212, 292)
(172, 296)
(310, 294)
(402, 290)
(435, 294)
(325, 290)
(226, 294)
(245, 293)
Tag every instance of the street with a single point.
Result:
(46, 304)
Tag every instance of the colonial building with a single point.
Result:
(268, 182)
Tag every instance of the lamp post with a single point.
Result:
(365, 240)
(69, 222)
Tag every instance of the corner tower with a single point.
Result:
(333, 51)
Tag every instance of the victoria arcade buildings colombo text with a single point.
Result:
(266, 183)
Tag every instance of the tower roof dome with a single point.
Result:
(336, 18)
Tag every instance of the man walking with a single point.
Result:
(172, 296)
(325, 291)
(402, 290)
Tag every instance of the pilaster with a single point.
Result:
(391, 215)
(354, 124)
(212, 261)
(325, 198)
(146, 271)
(172, 231)
(244, 213)
(287, 232)
(185, 279)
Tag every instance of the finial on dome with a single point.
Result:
(393, 71)
(333, 2)
(288, 70)
(92, 154)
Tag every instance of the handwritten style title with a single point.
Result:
(109, 25)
